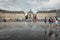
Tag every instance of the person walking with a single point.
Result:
(53, 22)
(56, 18)
(45, 20)
(56, 21)
(50, 22)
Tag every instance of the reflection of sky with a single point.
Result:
(29, 4)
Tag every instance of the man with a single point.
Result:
(56, 18)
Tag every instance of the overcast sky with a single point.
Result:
(26, 5)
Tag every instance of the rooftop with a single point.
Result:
(30, 11)
(51, 11)
(6, 11)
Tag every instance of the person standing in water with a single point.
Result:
(45, 20)
(56, 23)
(56, 18)
(50, 22)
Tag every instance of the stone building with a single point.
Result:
(30, 14)
(58, 13)
(43, 14)
(20, 15)
(12, 15)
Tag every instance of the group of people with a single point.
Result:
(53, 21)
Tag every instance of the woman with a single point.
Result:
(56, 23)
(50, 22)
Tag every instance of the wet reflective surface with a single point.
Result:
(25, 31)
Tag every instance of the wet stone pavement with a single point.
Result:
(26, 31)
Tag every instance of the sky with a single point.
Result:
(26, 5)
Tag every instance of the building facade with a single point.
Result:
(43, 14)
(30, 15)
(20, 15)
(12, 15)
(58, 13)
